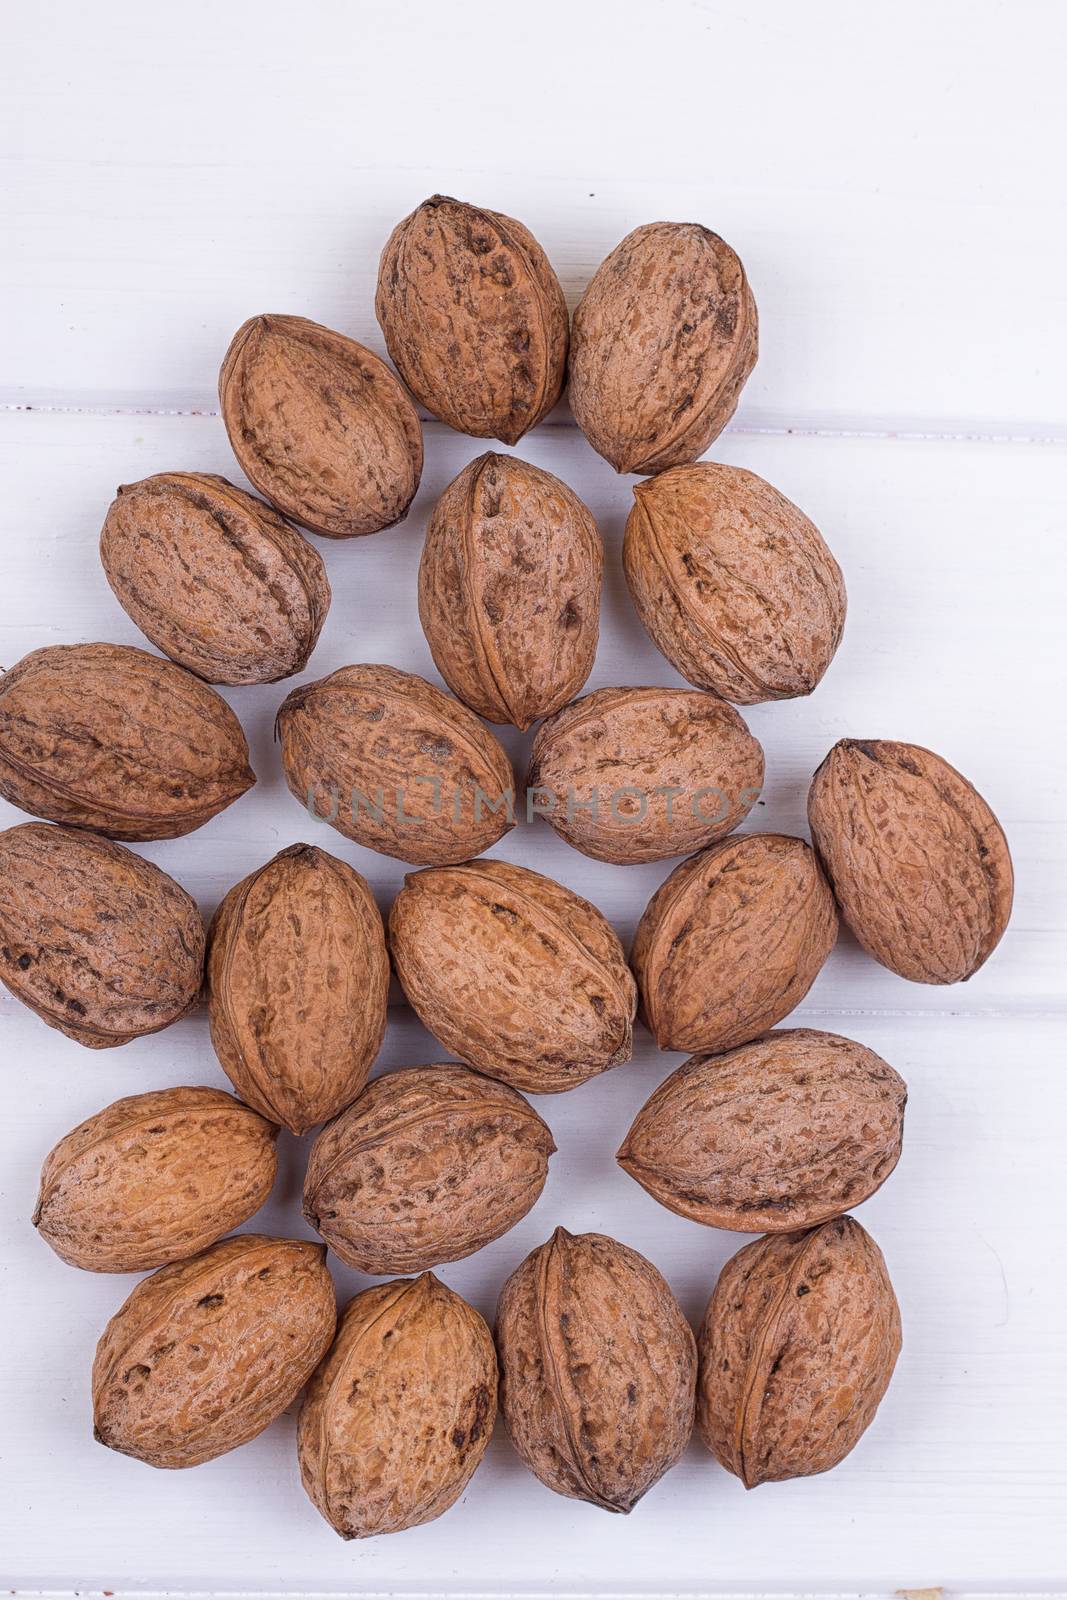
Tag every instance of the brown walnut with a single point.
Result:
(97, 941)
(216, 579)
(513, 973)
(206, 1353)
(474, 318)
(398, 1416)
(796, 1351)
(429, 1164)
(509, 589)
(107, 737)
(732, 941)
(919, 863)
(298, 983)
(661, 345)
(154, 1178)
(630, 775)
(396, 764)
(734, 584)
(320, 426)
(598, 1369)
(780, 1134)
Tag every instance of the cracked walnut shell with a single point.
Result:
(216, 579)
(428, 1165)
(797, 1349)
(513, 973)
(734, 584)
(108, 737)
(320, 426)
(399, 1414)
(919, 863)
(598, 1368)
(206, 1353)
(154, 1178)
(509, 589)
(297, 986)
(474, 318)
(662, 342)
(100, 943)
(732, 941)
(777, 1135)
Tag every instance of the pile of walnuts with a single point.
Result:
(599, 1377)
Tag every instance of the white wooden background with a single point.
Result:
(892, 177)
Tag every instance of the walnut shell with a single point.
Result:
(513, 973)
(396, 764)
(732, 941)
(206, 1353)
(919, 863)
(98, 942)
(398, 1416)
(297, 986)
(629, 775)
(216, 579)
(474, 318)
(776, 1135)
(796, 1351)
(429, 1164)
(733, 583)
(107, 737)
(661, 345)
(320, 426)
(154, 1178)
(509, 589)
(598, 1369)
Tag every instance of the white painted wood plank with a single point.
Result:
(954, 557)
(889, 176)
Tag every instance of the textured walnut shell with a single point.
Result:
(320, 426)
(97, 941)
(154, 1178)
(216, 579)
(513, 973)
(298, 984)
(629, 775)
(509, 589)
(474, 318)
(396, 764)
(776, 1135)
(598, 1369)
(919, 863)
(732, 941)
(206, 1353)
(399, 1414)
(661, 345)
(733, 583)
(796, 1351)
(107, 737)
(428, 1165)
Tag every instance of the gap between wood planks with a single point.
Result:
(910, 430)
